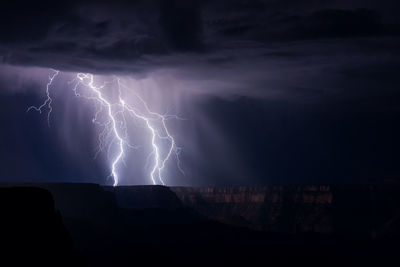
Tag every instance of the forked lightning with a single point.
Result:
(114, 126)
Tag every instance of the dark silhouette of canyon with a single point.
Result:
(93, 225)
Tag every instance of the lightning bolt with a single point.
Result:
(115, 124)
(103, 101)
(48, 99)
(159, 161)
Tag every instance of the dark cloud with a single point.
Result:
(83, 34)
(97, 31)
(27, 21)
(181, 24)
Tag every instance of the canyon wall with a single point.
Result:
(366, 210)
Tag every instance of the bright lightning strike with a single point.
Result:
(114, 123)
(48, 100)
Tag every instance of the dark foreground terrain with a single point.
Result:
(91, 225)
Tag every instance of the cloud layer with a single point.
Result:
(138, 36)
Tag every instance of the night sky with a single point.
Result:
(272, 91)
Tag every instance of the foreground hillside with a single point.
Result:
(155, 225)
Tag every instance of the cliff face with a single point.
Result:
(32, 232)
(358, 209)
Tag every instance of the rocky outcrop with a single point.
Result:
(355, 209)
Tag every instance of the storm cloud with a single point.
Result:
(235, 47)
(287, 88)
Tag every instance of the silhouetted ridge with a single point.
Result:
(151, 226)
(32, 231)
(145, 197)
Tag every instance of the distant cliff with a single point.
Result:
(368, 210)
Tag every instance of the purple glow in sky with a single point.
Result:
(265, 91)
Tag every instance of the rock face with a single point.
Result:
(356, 209)
(32, 232)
